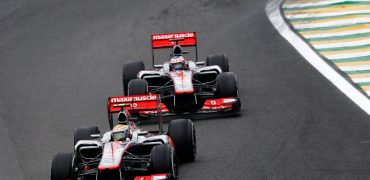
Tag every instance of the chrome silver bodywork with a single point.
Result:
(114, 153)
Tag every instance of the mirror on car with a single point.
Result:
(158, 66)
(95, 136)
(200, 63)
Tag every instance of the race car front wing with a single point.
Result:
(150, 104)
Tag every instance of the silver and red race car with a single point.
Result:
(185, 86)
(127, 151)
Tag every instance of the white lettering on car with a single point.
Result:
(171, 36)
(133, 98)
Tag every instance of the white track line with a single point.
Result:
(342, 44)
(344, 22)
(355, 68)
(343, 33)
(361, 80)
(330, 14)
(320, 3)
(348, 55)
(274, 14)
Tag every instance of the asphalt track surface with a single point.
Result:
(61, 59)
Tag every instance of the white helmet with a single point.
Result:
(178, 63)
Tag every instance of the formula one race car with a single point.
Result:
(127, 151)
(185, 86)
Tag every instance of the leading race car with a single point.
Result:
(185, 86)
(127, 151)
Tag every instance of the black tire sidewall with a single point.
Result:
(61, 166)
(226, 85)
(130, 71)
(221, 60)
(84, 133)
(162, 159)
(182, 133)
(137, 87)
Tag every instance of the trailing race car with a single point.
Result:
(185, 86)
(127, 151)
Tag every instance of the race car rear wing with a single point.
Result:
(133, 103)
(169, 40)
(151, 103)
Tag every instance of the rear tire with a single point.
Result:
(137, 86)
(61, 166)
(84, 133)
(163, 159)
(130, 71)
(226, 85)
(221, 60)
(182, 133)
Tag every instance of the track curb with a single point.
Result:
(274, 13)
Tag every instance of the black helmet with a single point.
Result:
(177, 51)
(123, 117)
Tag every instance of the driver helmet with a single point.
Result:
(123, 117)
(120, 132)
(178, 63)
(177, 51)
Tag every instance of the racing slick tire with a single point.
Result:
(129, 72)
(84, 133)
(221, 60)
(61, 166)
(163, 159)
(226, 85)
(137, 86)
(182, 133)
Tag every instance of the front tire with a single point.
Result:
(226, 85)
(137, 87)
(61, 166)
(129, 72)
(182, 133)
(84, 133)
(220, 60)
(163, 159)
